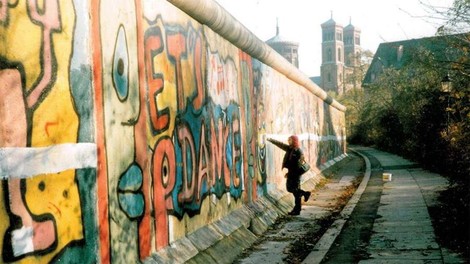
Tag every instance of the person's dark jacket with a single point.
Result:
(291, 158)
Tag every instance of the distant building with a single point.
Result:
(316, 80)
(340, 55)
(287, 49)
(399, 53)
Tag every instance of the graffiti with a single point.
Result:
(160, 119)
(218, 142)
(121, 202)
(21, 237)
(260, 125)
(33, 135)
(126, 125)
(250, 116)
(202, 155)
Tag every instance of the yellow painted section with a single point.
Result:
(54, 122)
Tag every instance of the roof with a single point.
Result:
(279, 39)
(316, 80)
(330, 22)
(350, 27)
(400, 53)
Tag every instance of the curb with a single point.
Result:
(223, 240)
(326, 241)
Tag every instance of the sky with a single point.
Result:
(300, 21)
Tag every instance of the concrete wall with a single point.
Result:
(126, 126)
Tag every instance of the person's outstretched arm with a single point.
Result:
(278, 144)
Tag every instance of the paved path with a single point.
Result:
(276, 245)
(349, 245)
(402, 231)
(383, 222)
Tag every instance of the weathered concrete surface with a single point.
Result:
(223, 240)
(403, 232)
(275, 244)
(328, 238)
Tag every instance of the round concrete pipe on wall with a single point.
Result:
(210, 13)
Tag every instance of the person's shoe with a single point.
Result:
(294, 212)
(307, 196)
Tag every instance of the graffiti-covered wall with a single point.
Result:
(126, 125)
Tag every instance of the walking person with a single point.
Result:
(291, 161)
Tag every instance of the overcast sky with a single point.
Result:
(300, 20)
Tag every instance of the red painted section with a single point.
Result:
(142, 158)
(102, 180)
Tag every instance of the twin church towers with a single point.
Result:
(340, 49)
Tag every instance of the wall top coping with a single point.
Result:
(211, 14)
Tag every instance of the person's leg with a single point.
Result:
(306, 195)
(298, 202)
(290, 187)
(293, 183)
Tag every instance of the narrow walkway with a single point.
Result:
(385, 221)
(350, 244)
(402, 231)
(293, 233)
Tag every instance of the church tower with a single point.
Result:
(352, 56)
(352, 42)
(332, 67)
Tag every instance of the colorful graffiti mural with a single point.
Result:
(126, 125)
(41, 209)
